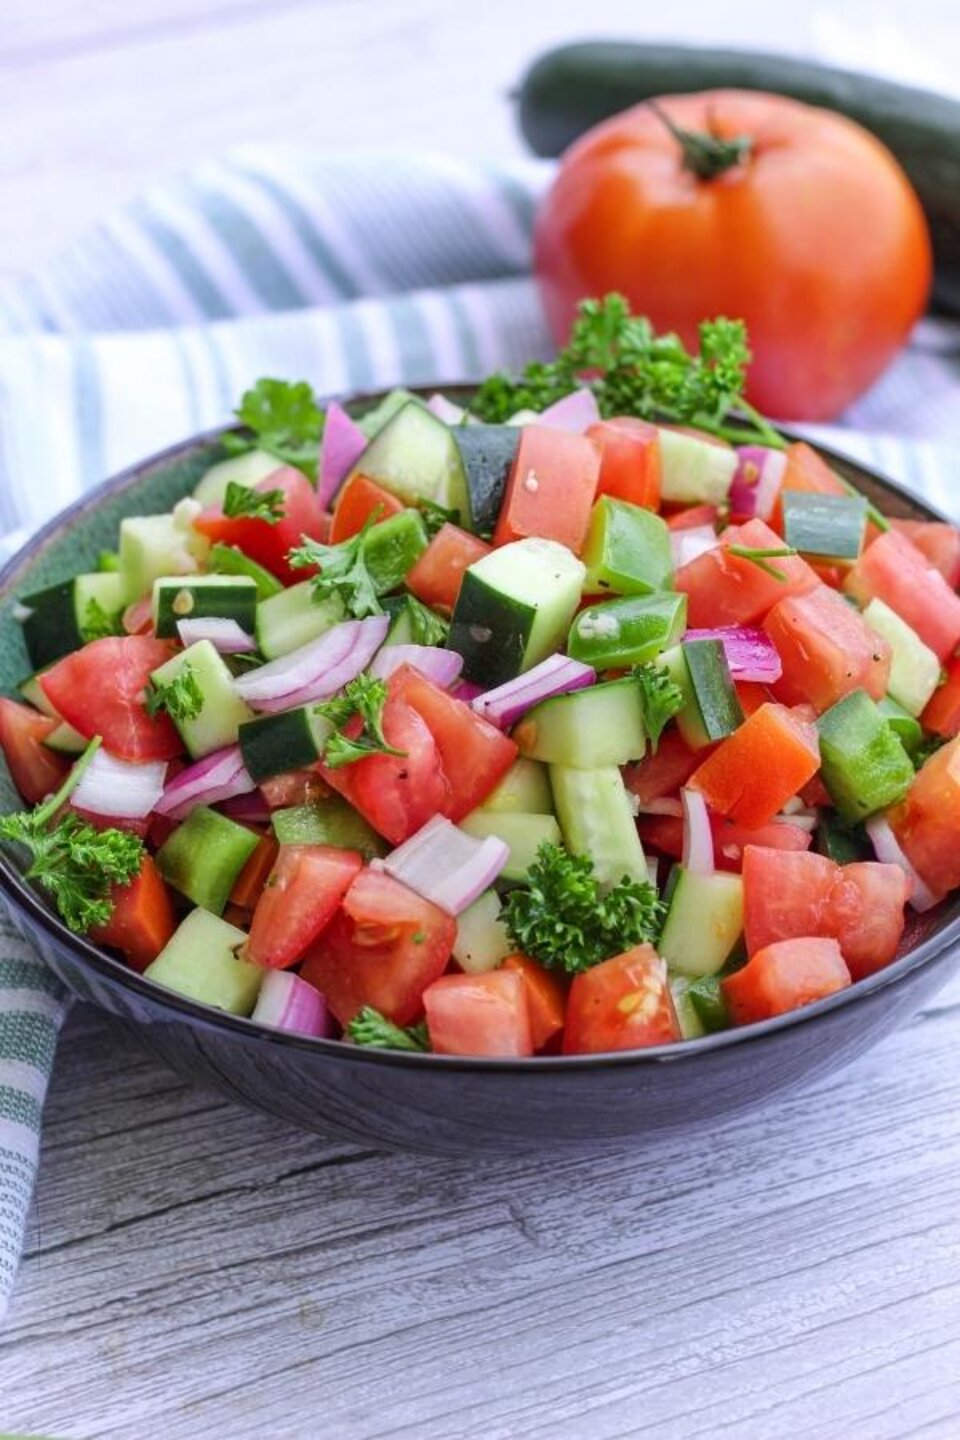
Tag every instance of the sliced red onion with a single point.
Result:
(757, 481)
(224, 635)
(887, 848)
(119, 787)
(751, 654)
(315, 671)
(446, 410)
(441, 666)
(690, 544)
(138, 617)
(288, 1003)
(341, 447)
(574, 412)
(446, 865)
(697, 835)
(218, 776)
(557, 675)
(250, 808)
(467, 691)
(664, 805)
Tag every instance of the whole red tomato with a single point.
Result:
(809, 231)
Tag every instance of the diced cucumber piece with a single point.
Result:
(292, 740)
(482, 941)
(248, 469)
(373, 421)
(415, 457)
(200, 961)
(700, 1006)
(688, 1016)
(712, 686)
(596, 820)
(524, 834)
(66, 615)
(487, 454)
(862, 762)
(915, 669)
(34, 694)
(905, 726)
(825, 528)
(203, 857)
(155, 545)
(525, 787)
(413, 623)
(704, 921)
(695, 471)
(627, 550)
(223, 712)
(392, 547)
(229, 560)
(66, 740)
(689, 719)
(294, 618)
(227, 597)
(600, 725)
(514, 607)
(329, 821)
(627, 631)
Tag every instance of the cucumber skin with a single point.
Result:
(571, 88)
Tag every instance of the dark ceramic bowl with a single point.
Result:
(443, 1103)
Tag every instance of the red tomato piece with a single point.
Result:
(789, 896)
(550, 488)
(894, 570)
(546, 998)
(942, 714)
(438, 573)
(664, 770)
(663, 833)
(783, 977)
(937, 540)
(294, 787)
(751, 695)
(248, 886)
(927, 820)
(397, 793)
(143, 919)
(99, 690)
(265, 543)
(474, 754)
(479, 1014)
(360, 498)
(383, 948)
(35, 770)
(692, 517)
(621, 1004)
(725, 589)
(756, 770)
(827, 650)
(301, 896)
(730, 841)
(630, 460)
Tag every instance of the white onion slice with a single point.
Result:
(690, 544)
(887, 849)
(697, 835)
(224, 635)
(120, 788)
(447, 866)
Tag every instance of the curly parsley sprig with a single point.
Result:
(369, 1027)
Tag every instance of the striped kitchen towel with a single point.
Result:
(355, 272)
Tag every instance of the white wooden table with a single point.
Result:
(197, 1271)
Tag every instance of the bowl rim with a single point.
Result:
(19, 896)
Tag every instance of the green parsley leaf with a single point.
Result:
(369, 1027)
(285, 420)
(243, 501)
(98, 622)
(927, 747)
(426, 626)
(364, 697)
(435, 516)
(343, 571)
(74, 863)
(660, 699)
(181, 697)
(761, 556)
(561, 918)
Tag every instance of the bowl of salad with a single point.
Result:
(553, 762)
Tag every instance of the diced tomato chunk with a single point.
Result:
(99, 690)
(751, 695)
(438, 573)
(383, 947)
(630, 461)
(927, 821)
(762, 765)
(142, 920)
(727, 589)
(894, 570)
(783, 977)
(788, 896)
(248, 886)
(940, 543)
(827, 650)
(302, 893)
(663, 833)
(550, 489)
(35, 770)
(621, 1004)
(691, 517)
(294, 787)
(479, 1014)
(270, 544)
(942, 713)
(730, 841)
(546, 998)
(664, 770)
(360, 498)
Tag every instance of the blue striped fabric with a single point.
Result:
(356, 272)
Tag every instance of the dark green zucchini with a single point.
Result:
(571, 88)
(487, 453)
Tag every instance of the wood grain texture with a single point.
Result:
(198, 1271)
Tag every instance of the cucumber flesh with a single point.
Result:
(596, 820)
(415, 457)
(292, 740)
(525, 787)
(201, 961)
(247, 470)
(156, 545)
(524, 834)
(601, 725)
(293, 618)
(695, 471)
(223, 712)
(65, 616)
(704, 921)
(482, 941)
(914, 669)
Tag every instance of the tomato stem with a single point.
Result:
(705, 154)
